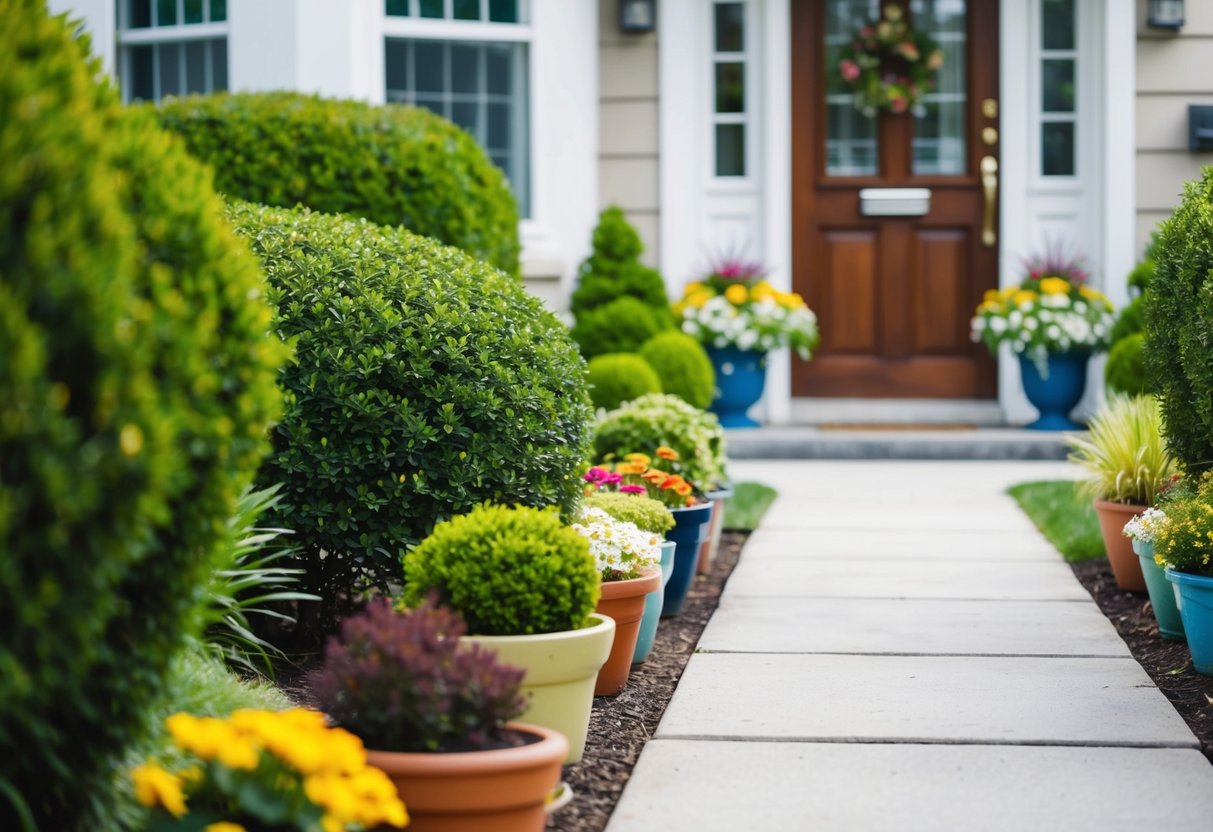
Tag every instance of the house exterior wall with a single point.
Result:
(629, 154)
(1172, 72)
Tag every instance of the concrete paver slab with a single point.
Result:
(707, 786)
(934, 519)
(921, 699)
(886, 544)
(844, 578)
(858, 625)
(940, 481)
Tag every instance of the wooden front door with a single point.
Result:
(894, 294)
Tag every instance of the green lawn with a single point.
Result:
(1066, 519)
(749, 502)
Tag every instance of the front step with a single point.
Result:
(922, 412)
(913, 442)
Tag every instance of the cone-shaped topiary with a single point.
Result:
(425, 382)
(614, 269)
(1125, 371)
(136, 386)
(507, 571)
(393, 165)
(683, 366)
(619, 326)
(619, 377)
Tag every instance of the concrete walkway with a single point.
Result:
(900, 649)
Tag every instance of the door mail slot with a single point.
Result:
(894, 202)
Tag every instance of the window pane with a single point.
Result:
(169, 55)
(1057, 148)
(467, 9)
(193, 11)
(430, 57)
(140, 14)
(504, 11)
(219, 13)
(396, 65)
(1057, 85)
(466, 115)
(499, 73)
(730, 34)
(730, 150)
(465, 67)
(730, 88)
(397, 8)
(1057, 24)
(498, 134)
(141, 84)
(166, 12)
(219, 64)
(851, 144)
(195, 66)
(432, 8)
(940, 135)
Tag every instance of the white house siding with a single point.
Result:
(629, 155)
(1172, 72)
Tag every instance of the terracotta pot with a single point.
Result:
(624, 602)
(504, 790)
(1125, 564)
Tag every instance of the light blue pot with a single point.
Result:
(653, 603)
(1196, 610)
(1162, 595)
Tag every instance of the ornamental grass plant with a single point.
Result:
(1124, 454)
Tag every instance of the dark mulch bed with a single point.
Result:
(1168, 663)
(621, 725)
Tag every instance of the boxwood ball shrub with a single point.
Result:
(683, 366)
(643, 425)
(424, 382)
(648, 514)
(1179, 316)
(619, 377)
(1125, 371)
(393, 165)
(136, 386)
(506, 570)
(619, 326)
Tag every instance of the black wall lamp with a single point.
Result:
(640, 16)
(1165, 14)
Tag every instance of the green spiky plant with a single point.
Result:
(1124, 455)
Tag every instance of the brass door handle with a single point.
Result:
(989, 184)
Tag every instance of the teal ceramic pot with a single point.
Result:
(1196, 610)
(690, 529)
(652, 606)
(1162, 596)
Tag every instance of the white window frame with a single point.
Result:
(1081, 113)
(155, 35)
(750, 98)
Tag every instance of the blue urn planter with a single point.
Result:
(740, 378)
(690, 529)
(1058, 391)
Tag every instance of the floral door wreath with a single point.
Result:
(890, 65)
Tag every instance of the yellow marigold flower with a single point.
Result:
(698, 299)
(653, 475)
(991, 296)
(631, 468)
(692, 287)
(1024, 296)
(1008, 292)
(639, 457)
(736, 294)
(331, 824)
(683, 490)
(667, 453)
(156, 787)
(1055, 286)
(761, 291)
(224, 826)
(1089, 293)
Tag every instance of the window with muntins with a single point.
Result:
(171, 47)
(467, 60)
(729, 67)
(1058, 87)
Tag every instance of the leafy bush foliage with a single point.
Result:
(402, 682)
(424, 383)
(1179, 315)
(1131, 319)
(659, 420)
(1125, 371)
(683, 366)
(136, 385)
(619, 377)
(619, 326)
(645, 512)
(393, 165)
(507, 571)
(614, 269)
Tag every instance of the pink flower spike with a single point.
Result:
(631, 489)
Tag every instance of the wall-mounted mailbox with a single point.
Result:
(1200, 127)
(894, 202)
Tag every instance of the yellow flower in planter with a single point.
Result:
(1055, 286)
(156, 787)
(1024, 296)
(736, 294)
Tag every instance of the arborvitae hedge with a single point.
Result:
(425, 382)
(393, 165)
(136, 384)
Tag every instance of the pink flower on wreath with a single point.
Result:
(908, 51)
(898, 104)
(849, 70)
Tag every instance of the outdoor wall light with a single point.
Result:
(640, 16)
(1165, 14)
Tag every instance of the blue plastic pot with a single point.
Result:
(1058, 391)
(1162, 595)
(740, 377)
(652, 606)
(1196, 610)
(690, 528)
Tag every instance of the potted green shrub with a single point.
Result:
(651, 516)
(435, 715)
(1183, 544)
(618, 377)
(1126, 462)
(526, 586)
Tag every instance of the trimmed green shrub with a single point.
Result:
(136, 385)
(643, 425)
(1130, 320)
(508, 571)
(393, 165)
(683, 366)
(648, 514)
(1125, 371)
(1179, 317)
(425, 382)
(619, 377)
(619, 326)
(614, 269)
(1142, 274)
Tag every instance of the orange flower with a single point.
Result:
(631, 468)
(653, 475)
(667, 453)
(683, 490)
(641, 458)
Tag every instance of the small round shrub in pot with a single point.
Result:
(621, 325)
(683, 366)
(618, 377)
(393, 165)
(424, 383)
(661, 419)
(1125, 372)
(639, 509)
